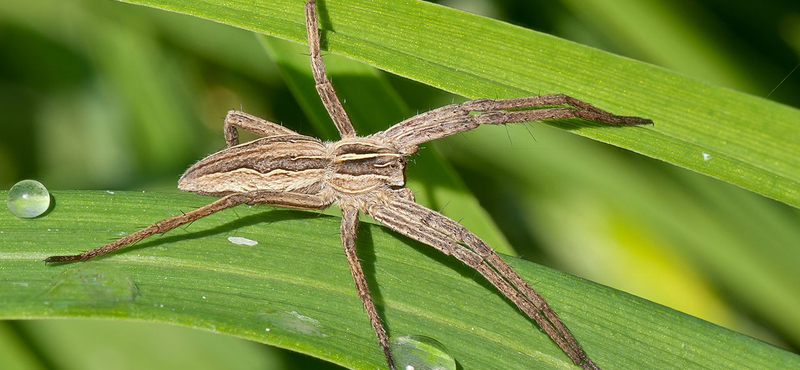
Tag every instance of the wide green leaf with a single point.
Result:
(746, 140)
(293, 290)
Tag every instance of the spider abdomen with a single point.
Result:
(292, 163)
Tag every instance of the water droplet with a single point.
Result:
(90, 285)
(417, 352)
(292, 321)
(28, 199)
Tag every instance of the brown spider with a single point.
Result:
(366, 174)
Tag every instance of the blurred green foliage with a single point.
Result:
(105, 95)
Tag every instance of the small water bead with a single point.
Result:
(292, 321)
(417, 352)
(28, 199)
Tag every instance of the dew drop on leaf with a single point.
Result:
(417, 352)
(292, 321)
(28, 199)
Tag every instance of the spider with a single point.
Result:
(366, 174)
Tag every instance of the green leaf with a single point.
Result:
(293, 290)
(749, 141)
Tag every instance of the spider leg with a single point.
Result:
(455, 118)
(349, 227)
(259, 126)
(291, 200)
(323, 85)
(449, 237)
(459, 233)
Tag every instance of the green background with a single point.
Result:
(103, 95)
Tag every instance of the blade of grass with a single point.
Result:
(754, 143)
(293, 290)
(680, 37)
